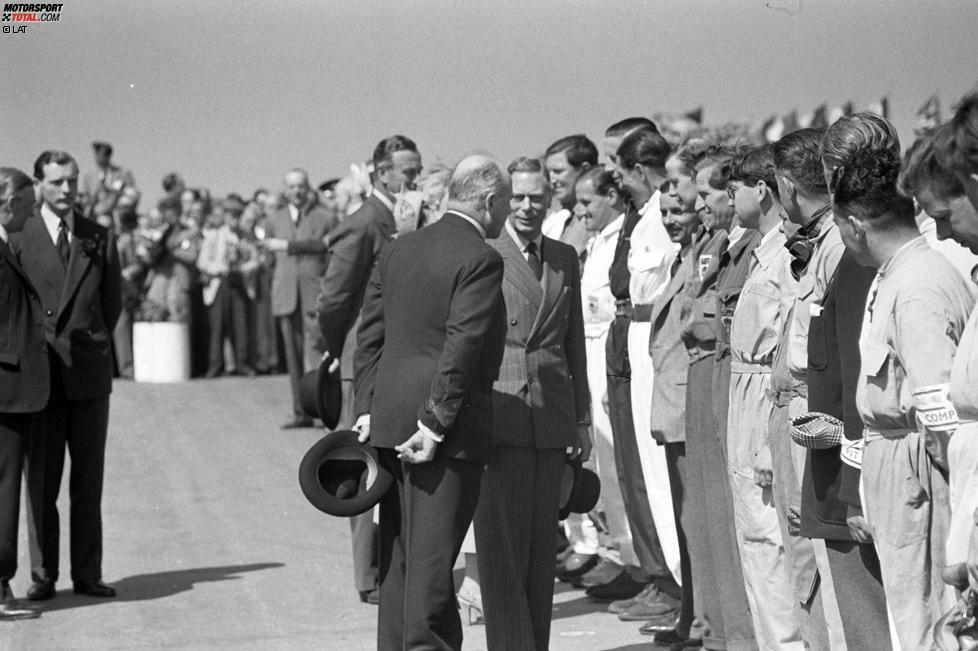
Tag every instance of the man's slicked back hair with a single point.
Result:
(55, 156)
(756, 165)
(798, 156)
(386, 148)
(854, 133)
(643, 147)
(577, 148)
(624, 127)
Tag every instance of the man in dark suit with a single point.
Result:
(24, 376)
(74, 265)
(353, 251)
(297, 234)
(541, 408)
(428, 350)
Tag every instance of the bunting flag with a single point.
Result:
(773, 128)
(821, 119)
(696, 115)
(837, 112)
(928, 115)
(766, 127)
(881, 108)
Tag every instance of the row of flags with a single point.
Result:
(771, 129)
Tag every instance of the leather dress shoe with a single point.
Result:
(622, 605)
(605, 571)
(623, 586)
(576, 565)
(94, 588)
(619, 605)
(371, 597)
(299, 422)
(660, 624)
(11, 609)
(650, 603)
(41, 591)
(673, 639)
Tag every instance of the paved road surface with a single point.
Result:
(212, 545)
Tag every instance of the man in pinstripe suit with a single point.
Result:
(541, 408)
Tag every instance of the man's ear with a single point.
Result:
(762, 190)
(857, 227)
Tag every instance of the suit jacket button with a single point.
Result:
(512, 321)
(48, 312)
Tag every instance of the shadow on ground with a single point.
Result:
(145, 587)
(582, 605)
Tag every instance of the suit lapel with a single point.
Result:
(674, 287)
(386, 222)
(518, 272)
(553, 283)
(38, 245)
(78, 260)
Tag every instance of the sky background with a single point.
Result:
(232, 94)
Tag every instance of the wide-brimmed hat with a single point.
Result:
(321, 394)
(341, 476)
(579, 489)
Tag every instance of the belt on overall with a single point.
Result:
(623, 308)
(642, 313)
(744, 367)
(870, 435)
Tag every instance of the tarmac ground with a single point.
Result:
(211, 544)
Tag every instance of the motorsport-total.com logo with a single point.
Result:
(23, 14)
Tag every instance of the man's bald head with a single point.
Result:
(479, 187)
(297, 187)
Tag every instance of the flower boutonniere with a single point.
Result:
(89, 246)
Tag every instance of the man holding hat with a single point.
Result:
(429, 348)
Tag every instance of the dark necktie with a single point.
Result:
(64, 248)
(675, 266)
(533, 259)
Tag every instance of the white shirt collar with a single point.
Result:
(293, 213)
(653, 201)
(613, 227)
(521, 241)
(736, 232)
(478, 226)
(3, 234)
(53, 222)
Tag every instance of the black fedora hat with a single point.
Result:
(321, 393)
(341, 476)
(579, 489)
